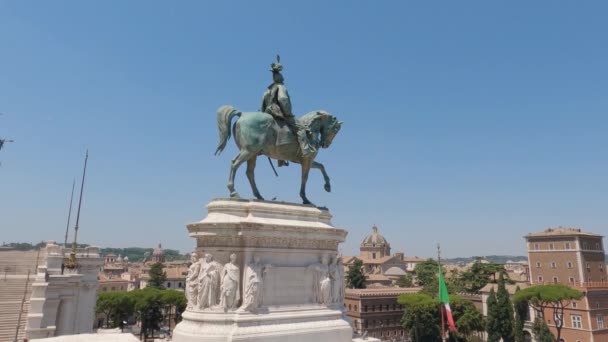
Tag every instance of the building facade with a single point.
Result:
(376, 311)
(574, 258)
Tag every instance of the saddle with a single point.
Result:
(284, 134)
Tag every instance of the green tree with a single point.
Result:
(554, 297)
(148, 308)
(541, 331)
(521, 313)
(427, 276)
(467, 318)
(420, 316)
(479, 275)
(454, 282)
(175, 304)
(157, 276)
(105, 306)
(504, 313)
(492, 324)
(116, 306)
(355, 278)
(405, 280)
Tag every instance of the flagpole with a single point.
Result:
(443, 337)
(67, 226)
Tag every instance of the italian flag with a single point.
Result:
(444, 299)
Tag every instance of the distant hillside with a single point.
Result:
(498, 259)
(135, 254)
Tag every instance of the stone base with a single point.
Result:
(295, 324)
(290, 239)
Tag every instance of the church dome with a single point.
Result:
(374, 238)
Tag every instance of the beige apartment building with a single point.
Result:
(575, 258)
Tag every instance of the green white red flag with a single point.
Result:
(444, 299)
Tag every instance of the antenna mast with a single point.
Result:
(67, 226)
(71, 263)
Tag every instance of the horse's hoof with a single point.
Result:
(234, 195)
(327, 187)
(307, 202)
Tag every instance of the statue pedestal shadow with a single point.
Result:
(290, 282)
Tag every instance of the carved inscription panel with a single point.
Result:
(287, 285)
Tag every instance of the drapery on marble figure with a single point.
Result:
(321, 283)
(336, 274)
(209, 283)
(253, 281)
(275, 133)
(192, 281)
(340, 285)
(229, 290)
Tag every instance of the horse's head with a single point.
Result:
(329, 128)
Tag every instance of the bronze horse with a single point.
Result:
(255, 133)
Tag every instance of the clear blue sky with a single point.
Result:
(466, 123)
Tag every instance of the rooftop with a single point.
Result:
(561, 231)
(381, 291)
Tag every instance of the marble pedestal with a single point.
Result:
(293, 242)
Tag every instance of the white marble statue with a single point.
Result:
(336, 274)
(253, 281)
(192, 281)
(209, 283)
(321, 282)
(229, 290)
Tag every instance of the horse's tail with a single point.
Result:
(224, 119)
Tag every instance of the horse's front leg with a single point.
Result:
(305, 170)
(317, 165)
(250, 175)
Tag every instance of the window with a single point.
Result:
(365, 308)
(584, 245)
(569, 264)
(574, 304)
(553, 265)
(355, 307)
(600, 321)
(576, 321)
(555, 280)
(380, 307)
(349, 307)
(567, 245)
(169, 285)
(571, 279)
(373, 255)
(537, 264)
(535, 246)
(551, 247)
(179, 285)
(387, 307)
(540, 279)
(558, 319)
(597, 245)
(597, 305)
(602, 267)
(588, 267)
